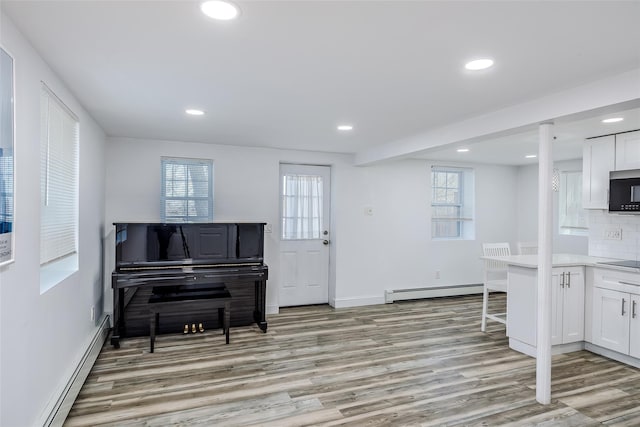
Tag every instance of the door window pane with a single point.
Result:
(301, 206)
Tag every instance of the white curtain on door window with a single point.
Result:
(301, 206)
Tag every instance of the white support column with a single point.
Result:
(545, 250)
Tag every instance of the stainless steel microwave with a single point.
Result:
(624, 191)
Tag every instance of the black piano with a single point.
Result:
(152, 255)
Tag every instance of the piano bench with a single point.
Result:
(181, 301)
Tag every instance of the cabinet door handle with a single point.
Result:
(568, 279)
(633, 309)
(623, 301)
(562, 280)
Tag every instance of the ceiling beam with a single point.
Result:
(621, 89)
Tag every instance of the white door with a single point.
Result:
(557, 296)
(573, 306)
(304, 234)
(611, 319)
(598, 158)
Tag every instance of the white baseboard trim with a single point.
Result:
(613, 355)
(356, 301)
(441, 291)
(530, 350)
(58, 413)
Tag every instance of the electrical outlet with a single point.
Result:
(613, 234)
(437, 274)
(93, 314)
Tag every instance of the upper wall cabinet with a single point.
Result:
(628, 150)
(598, 159)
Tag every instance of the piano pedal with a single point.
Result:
(193, 328)
(200, 328)
(186, 329)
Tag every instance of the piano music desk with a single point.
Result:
(179, 300)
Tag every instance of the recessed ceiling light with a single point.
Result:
(462, 150)
(218, 9)
(531, 156)
(194, 112)
(613, 120)
(345, 127)
(479, 64)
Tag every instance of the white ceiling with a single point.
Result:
(287, 72)
(511, 150)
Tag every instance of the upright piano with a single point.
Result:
(150, 255)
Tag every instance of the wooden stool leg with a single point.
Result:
(227, 319)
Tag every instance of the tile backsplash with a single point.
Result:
(603, 241)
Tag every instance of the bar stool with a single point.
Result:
(495, 279)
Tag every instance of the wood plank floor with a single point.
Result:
(409, 363)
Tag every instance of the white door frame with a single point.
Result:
(304, 272)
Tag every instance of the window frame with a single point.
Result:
(463, 203)
(209, 199)
(307, 227)
(59, 189)
(569, 225)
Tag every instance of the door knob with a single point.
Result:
(325, 242)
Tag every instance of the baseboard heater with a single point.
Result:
(422, 293)
(58, 414)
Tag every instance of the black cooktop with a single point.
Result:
(630, 263)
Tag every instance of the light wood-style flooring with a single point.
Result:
(409, 363)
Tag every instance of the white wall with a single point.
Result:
(391, 249)
(44, 336)
(245, 181)
(527, 210)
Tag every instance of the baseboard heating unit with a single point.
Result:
(422, 293)
(59, 409)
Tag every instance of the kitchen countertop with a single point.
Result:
(561, 260)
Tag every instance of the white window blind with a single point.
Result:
(187, 190)
(301, 206)
(58, 178)
(451, 203)
(6, 190)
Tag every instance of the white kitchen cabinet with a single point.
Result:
(567, 307)
(610, 322)
(627, 151)
(616, 312)
(598, 159)
(567, 323)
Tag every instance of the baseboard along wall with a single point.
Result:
(56, 416)
(420, 293)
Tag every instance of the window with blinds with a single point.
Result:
(58, 179)
(452, 203)
(187, 190)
